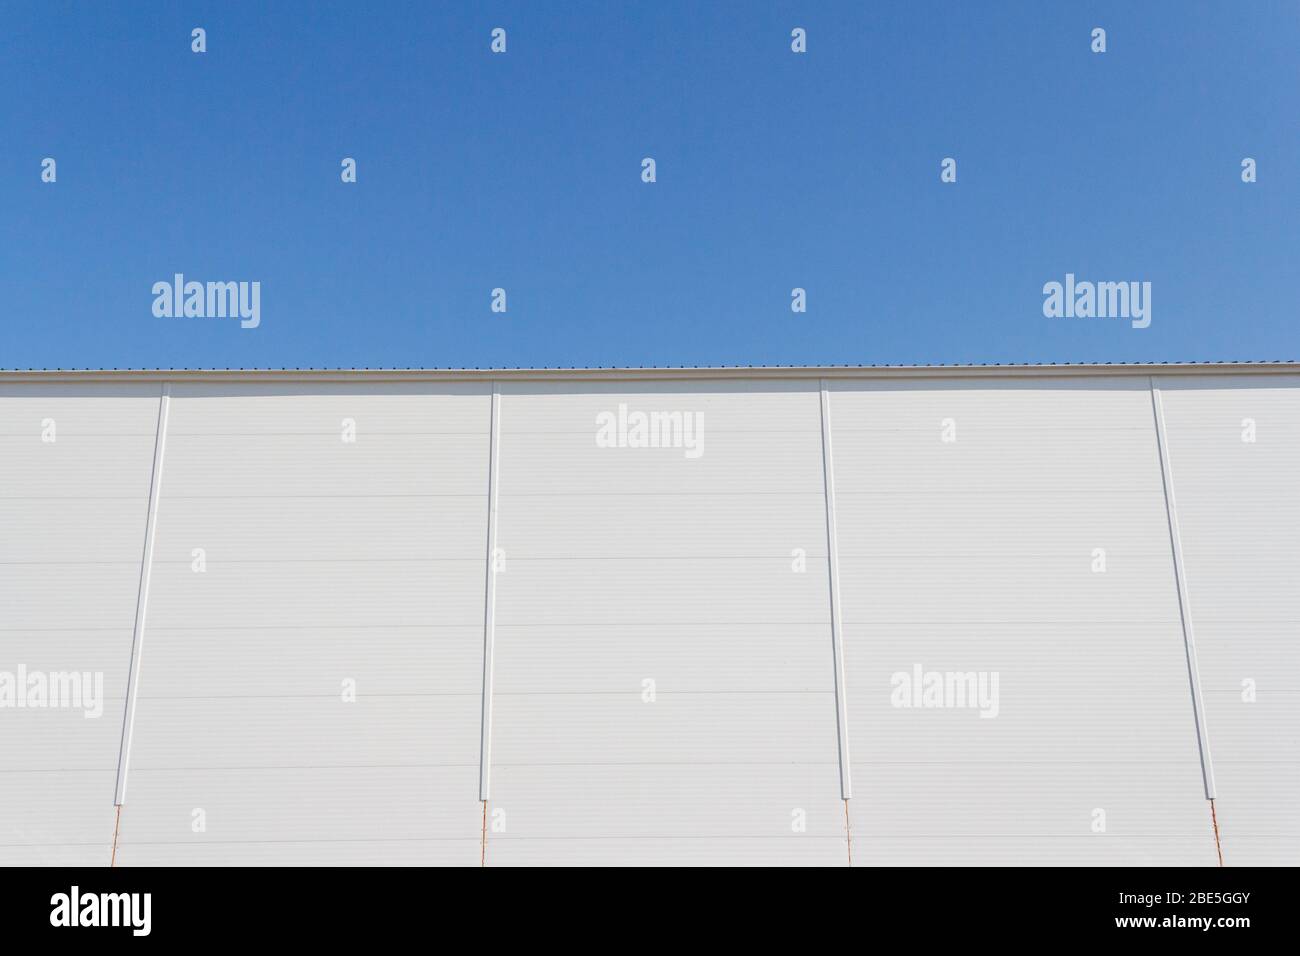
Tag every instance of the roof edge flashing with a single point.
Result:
(694, 372)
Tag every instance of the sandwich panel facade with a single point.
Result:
(1017, 687)
(1234, 449)
(310, 685)
(75, 463)
(664, 689)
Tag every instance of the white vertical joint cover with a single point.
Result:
(837, 639)
(490, 596)
(142, 596)
(1180, 580)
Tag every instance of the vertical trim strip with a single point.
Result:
(490, 597)
(833, 563)
(1180, 580)
(142, 596)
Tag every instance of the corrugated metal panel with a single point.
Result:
(1240, 519)
(975, 555)
(326, 561)
(630, 564)
(72, 514)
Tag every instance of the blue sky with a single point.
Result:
(523, 171)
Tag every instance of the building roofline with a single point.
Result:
(624, 374)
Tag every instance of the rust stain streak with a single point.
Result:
(1214, 818)
(117, 823)
(848, 832)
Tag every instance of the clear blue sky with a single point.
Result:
(522, 171)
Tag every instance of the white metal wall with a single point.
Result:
(632, 564)
(1234, 446)
(74, 489)
(968, 515)
(327, 561)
